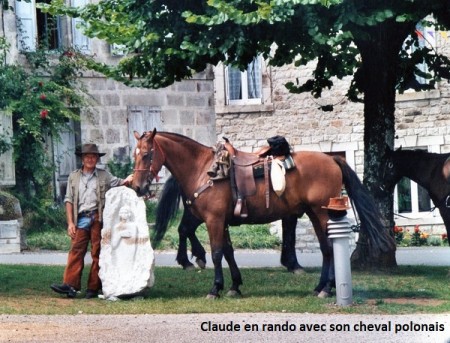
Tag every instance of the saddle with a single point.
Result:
(243, 168)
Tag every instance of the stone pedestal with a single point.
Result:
(12, 239)
(126, 255)
(9, 236)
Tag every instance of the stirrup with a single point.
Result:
(244, 211)
(238, 208)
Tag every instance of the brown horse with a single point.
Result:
(167, 209)
(315, 179)
(426, 169)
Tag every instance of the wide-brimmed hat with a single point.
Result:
(89, 149)
(338, 204)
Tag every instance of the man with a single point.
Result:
(84, 201)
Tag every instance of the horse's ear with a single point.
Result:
(154, 132)
(136, 135)
(399, 149)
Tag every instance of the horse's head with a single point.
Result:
(148, 161)
(389, 169)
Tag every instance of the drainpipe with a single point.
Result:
(339, 231)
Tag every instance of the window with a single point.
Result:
(411, 197)
(48, 30)
(38, 29)
(244, 87)
(426, 38)
(117, 49)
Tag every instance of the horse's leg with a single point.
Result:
(188, 225)
(445, 214)
(216, 233)
(234, 269)
(184, 229)
(197, 249)
(288, 255)
(327, 280)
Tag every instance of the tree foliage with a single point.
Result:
(368, 41)
(41, 98)
(167, 41)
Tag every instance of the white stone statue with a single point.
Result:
(126, 255)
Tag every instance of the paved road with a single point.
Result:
(431, 256)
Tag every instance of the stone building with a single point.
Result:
(422, 122)
(185, 107)
(246, 107)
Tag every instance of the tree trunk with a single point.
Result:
(378, 81)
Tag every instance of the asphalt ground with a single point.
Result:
(430, 256)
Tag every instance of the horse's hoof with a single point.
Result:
(212, 296)
(323, 295)
(200, 263)
(298, 271)
(233, 293)
(189, 267)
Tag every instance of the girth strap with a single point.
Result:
(266, 180)
(200, 190)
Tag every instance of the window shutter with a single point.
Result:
(80, 41)
(227, 86)
(140, 119)
(26, 25)
(7, 169)
(144, 118)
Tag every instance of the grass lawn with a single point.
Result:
(243, 237)
(24, 289)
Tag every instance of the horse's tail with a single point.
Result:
(369, 215)
(168, 204)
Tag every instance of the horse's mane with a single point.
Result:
(420, 153)
(179, 138)
(420, 165)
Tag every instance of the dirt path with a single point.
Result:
(247, 327)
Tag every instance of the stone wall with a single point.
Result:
(422, 120)
(186, 107)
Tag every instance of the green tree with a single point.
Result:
(41, 98)
(169, 40)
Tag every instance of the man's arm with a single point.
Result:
(71, 228)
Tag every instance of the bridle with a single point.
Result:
(387, 165)
(153, 173)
